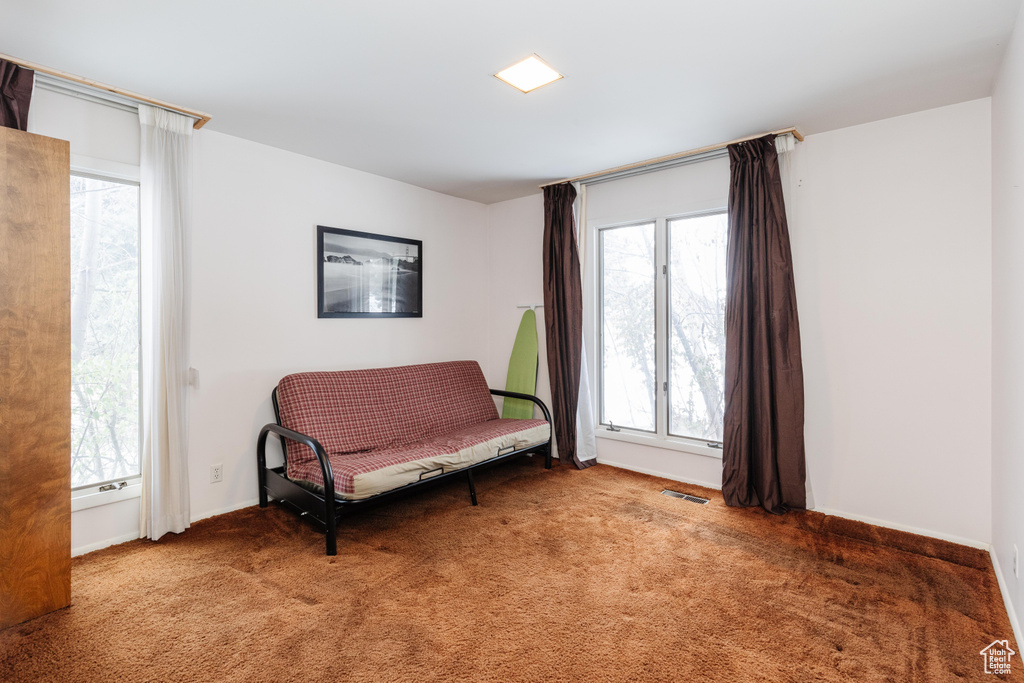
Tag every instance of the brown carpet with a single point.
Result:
(557, 576)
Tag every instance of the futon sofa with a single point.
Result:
(351, 438)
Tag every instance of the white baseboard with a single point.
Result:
(220, 511)
(663, 475)
(1004, 589)
(959, 540)
(971, 543)
(105, 543)
(1003, 584)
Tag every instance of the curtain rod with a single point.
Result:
(200, 117)
(672, 157)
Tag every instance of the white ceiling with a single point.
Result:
(403, 88)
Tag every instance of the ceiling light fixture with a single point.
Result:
(529, 74)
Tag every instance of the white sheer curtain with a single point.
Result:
(791, 171)
(586, 425)
(166, 207)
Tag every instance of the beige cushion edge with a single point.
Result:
(388, 478)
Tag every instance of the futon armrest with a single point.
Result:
(321, 454)
(525, 397)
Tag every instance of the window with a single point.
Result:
(628, 302)
(662, 326)
(104, 331)
(696, 326)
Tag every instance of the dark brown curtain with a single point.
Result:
(15, 95)
(763, 455)
(563, 317)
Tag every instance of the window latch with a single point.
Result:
(611, 427)
(714, 444)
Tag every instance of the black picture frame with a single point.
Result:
(366, 275)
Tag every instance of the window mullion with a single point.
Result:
(661, 325)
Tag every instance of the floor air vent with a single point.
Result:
(686, 496)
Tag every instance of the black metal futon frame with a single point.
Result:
(325, 510)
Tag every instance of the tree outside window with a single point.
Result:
(693, 379)
(104, 330)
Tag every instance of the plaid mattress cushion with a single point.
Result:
(364, 410)
(347, 466)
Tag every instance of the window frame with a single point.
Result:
(599, 408)
(661, 437)
(90, 495)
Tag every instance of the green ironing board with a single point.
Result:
(522, 369)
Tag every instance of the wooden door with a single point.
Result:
(35, 376)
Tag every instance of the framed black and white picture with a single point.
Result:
(362, 275)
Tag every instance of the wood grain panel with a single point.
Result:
(35, 376)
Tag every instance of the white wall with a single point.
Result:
(95, 131)
(1007, 317)
(256, 209)
(890, 233)
(254, 292)
(890, 229)
(515, 229)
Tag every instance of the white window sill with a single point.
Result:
(654, 441)
(91, 497)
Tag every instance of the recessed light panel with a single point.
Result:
(529, 74)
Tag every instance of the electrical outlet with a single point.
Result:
(1016, 562)
(216, 473)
